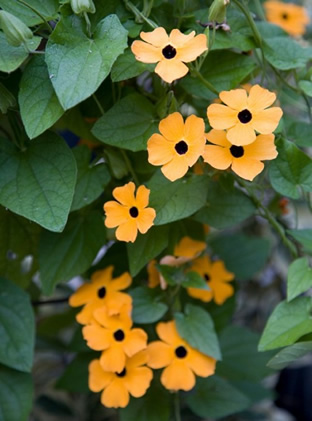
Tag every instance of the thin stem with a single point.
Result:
(139, 15)
(129, 166)
(54, 301)
(88, 24)
(98, 104)
(177, 412)
(204, 81)
(38, 14)
(259, 9)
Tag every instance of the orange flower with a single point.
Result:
(243, 114)
(170, 52)
(102, 291)
(217, 278)
(133, 380)
(291, 17)
(182, 361)
(178, 146)
(130, 213)
(113, 335)
(245, 161)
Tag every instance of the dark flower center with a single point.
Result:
(134, 212)
(119, 335)
(181, 147)
(122, 373)
(285, 16)
(101, 292)
(244, 116)
(207, 277)
(237, 151)
(181, 352)
(169, 52)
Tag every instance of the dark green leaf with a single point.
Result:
(128, 124)
(38, 183)
(7, 99)
(197, 328)
(75, 377)
(194, 280)
(301, 133)
(306, 86)
(299, 278)
(304, 237)
(126, 67)
(17, 327)
(285, 54)
(46, 8)
(290, 354)
(77, 64)
(147, 305)
(65, 255)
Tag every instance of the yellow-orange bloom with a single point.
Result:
(178, 146)
(133, 380)
(113, 335)
(170, 52)
(289, 16)
(245, 161)
(130, 214)
(182, 361)
(243, 115)
(217, 278)
(103, 291)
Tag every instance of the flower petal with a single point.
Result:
(160, 151)
(260, 98)
(135, 341)
(171, 69)
(128, 231)
(145, 219)
(262, 148)
(218, 137)
(200, 294)
(235, 98)
(97, 338)
(178, 39)
(142, 196)
(153, 274)
(167, 332)
(138, 381)
(221, 117)
(157, 37)
(125, 194)
(172, 127)
(194, 129)
(113, 359)
(187, 247)
(116, 214)
(178, 376)
(175, 169)
(137, 360)
(266, 121)
(84, 294)
(122, 282)
(85, 316)
(201, 364)
(117, 301)
(146, 53)
(241, 134)
(192, 49)
(98, 378)
(219, 272)
(221, 291)
(217, 156)
(115, 395)
(247, 168)
(159, 354)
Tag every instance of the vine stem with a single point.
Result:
(177, 412)
(53, 301)
(139, 15)
(38, 14)
(129, 166)
(204, 81)
(98, 104)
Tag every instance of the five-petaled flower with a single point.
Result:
(217, 278)
(180, 360)
(170, 52)
(113, 335)
(245, 161)
(102, 291)
(289, 16)
(178, 146)
(134, 379)
(243, 115)
(130, 214)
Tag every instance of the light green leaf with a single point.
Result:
(46, 8)
(301, 133)
(38, 182)
(91, 178)
(126, 66)
(290, 354)
(194, 280)
(39, 105)
(16, 392)
(291, 170)
(128, 124)
(12, 57)
(77, 64)
(147, 305)
(304, 237)
(299, 278)
(213, 397)
(67, 254)
(306, 86)
(287, 323)
(178, 200)
(197, 328)
(285, 54)
(17, 327)
(146, 247)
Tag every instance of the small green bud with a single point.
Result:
(15, 31)
(217, 11)
(7, 100)
(82, 6)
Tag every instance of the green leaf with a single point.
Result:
(299, 278)
(171, 274)
(7, 99)
(39, 105)
(12, 57)
(126, 66)
(290, 354)
(291, 171)
(46, 8)
(16, 392)
(225, 207)
(128, 124)
(75, 377)
(287, 323)
(67, 254)
(194, 280)
(17, 327)
(197, 328)
(92, 178)
(177, 200)
(147, 305)
(240, 357)
(77, 64)
(306, 86)
(38, 182)
(244, 255)
(223, 69)
(146, 247)
(285, 54)
(301, 133)
(304, 237)
(214, 397)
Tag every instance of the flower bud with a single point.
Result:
(7, 100)
(81, 6)
(15, 30)
(217, 11)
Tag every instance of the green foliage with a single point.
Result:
(147, 305)
(75, 377)
(126, 67)
(46, 9)
(299, 278)
(289, 354)
(304, 237)
(285, 54)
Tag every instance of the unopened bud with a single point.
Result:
(217, 11)
(7, 100)
(14, 29)
(82, 6)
